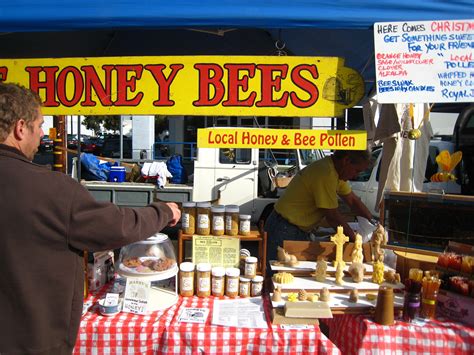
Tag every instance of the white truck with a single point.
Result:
(240, 176)
(366, 184)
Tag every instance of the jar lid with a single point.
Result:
(232, 208)
(218, 209)
(244, 279)
(189, 204)
(218, 271)
(245, 216)
(203, 267)
(257, 278)
(251, 259)
(232, 272)
(203, 204)
(186, 266)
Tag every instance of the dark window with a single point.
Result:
(235, 156)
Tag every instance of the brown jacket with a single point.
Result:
(46, 220)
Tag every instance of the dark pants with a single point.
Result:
(279, 229)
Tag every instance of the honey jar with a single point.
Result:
(244, 224)
(256, 286)
(186, 279)
(203, 280)
(232, 282)
(250, 267)
(244, 287)
(217, 220)
(203, 226)
(218, 281)
(232, 220)
(188, 217)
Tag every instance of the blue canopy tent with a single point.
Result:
(67, 28)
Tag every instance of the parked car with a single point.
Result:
(92, 145)
(46, 144)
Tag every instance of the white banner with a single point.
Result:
(425, 61)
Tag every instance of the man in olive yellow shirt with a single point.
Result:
(312, 196)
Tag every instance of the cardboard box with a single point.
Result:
(101, 270)
(455, 306)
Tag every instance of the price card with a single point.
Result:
(194, 315)
(136, 296)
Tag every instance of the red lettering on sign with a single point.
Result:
(206, 81)
(236, 84)
(48, 84)
(271, 81)
(92, 81)
(163, 82)
(127, 76)
(61, 86)
(305, 85)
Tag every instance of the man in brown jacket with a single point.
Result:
(46, 220)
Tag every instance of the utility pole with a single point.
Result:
(60, 155)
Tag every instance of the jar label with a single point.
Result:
(228, 223)
(250, 269)
(414, 304)
(187, 283)
(232, 285)
(256, 289)
(185, 220)
(203, 221)
(217, 285)
(204, 284)
(218, 223)
(245, 226)
(244, 289)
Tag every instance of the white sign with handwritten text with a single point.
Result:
(425, 61)
(136, 296)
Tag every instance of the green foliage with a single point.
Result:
(96, 123)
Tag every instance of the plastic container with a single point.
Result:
(117, 174)
(203, 225)
(232, 220)
(244, 224)
(186, 279)
(256, 286)
(188, 217)
(203, 280)
(411, 307)
(244, 287)
(152, 256)
(250, 267)
(232, 282)
(218, 281)
(217, 226)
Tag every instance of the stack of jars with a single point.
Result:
(203, 280)
(204, 219)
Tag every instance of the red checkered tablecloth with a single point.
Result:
(213, 339)
(124, 333)
(358, 334)
(162, 333)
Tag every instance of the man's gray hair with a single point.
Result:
(16, 102)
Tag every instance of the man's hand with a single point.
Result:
(176, 213)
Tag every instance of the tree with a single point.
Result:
(96, 123)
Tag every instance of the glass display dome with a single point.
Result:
(152, 256)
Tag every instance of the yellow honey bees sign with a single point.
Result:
(190, 85)
(446, 163)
